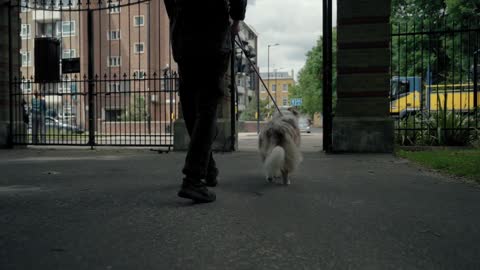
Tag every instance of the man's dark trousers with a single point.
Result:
(201, 91)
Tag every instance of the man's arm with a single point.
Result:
(237, 13)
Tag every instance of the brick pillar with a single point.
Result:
(362, 122)
(7, 58)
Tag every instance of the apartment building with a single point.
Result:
(247, 79)
(129, 45)
(279, 84)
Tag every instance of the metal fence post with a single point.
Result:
(10, 75)
(327, 76)
(475, 80)
(91, 83)
(232, 95)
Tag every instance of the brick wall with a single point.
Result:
(362, 122)
(5, 58)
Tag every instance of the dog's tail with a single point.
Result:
(274, 162)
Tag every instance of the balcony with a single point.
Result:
(46, 15)
(241, 89)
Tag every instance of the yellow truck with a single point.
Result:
(408, 95)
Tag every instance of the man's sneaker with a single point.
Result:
(196, 191)
(211, 179)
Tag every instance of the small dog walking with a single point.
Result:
(279, 144)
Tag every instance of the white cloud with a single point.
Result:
(294, 24)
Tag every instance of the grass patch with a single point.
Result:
(464, 163)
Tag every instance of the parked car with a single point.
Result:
(56, 124)
(66, 116)
(304, 124)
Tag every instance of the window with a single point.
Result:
(68, 53)
(113, 114)
(113, 35)
(274, 87)
(24, 6)
(285, 101)
(114, 61)
(65, 4)
(66, 28)
(113, 87)
(400, 88)
(113, 8)
(262, 88)
(47, 29)
(138, 20)
(26, 59)
(25, 31)
(73, 88)
(55, 4)
(26, 86)
(138, 47)
(139, 74)
(65, 87)
(285, 88)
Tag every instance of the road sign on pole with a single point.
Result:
(296, 101)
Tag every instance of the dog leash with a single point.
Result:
(257, 72)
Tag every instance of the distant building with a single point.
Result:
(129, 42)
(247, 79)
(279, 84)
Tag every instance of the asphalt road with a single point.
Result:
(108, 209)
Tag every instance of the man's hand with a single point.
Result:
(235, 27)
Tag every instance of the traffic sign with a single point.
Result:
(296, 101)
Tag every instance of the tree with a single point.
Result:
(251, 110)
(309, 86)
(434, 46)
(249, 113)
(136, 110)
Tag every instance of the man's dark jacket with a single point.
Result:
(202, 27)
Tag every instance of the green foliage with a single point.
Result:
(449, 56)
(250, 111)
(136, 110)
(438, 128)
(455, 162)
(448, 53)
(309, 86)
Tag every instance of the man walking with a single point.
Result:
(39, 109)
(201, 37)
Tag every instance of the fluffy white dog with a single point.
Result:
(279, 143)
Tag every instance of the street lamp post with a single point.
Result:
(268, 62)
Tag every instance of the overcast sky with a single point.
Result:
(294, 24)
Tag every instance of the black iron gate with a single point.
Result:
(435, 76)
(93, 73)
